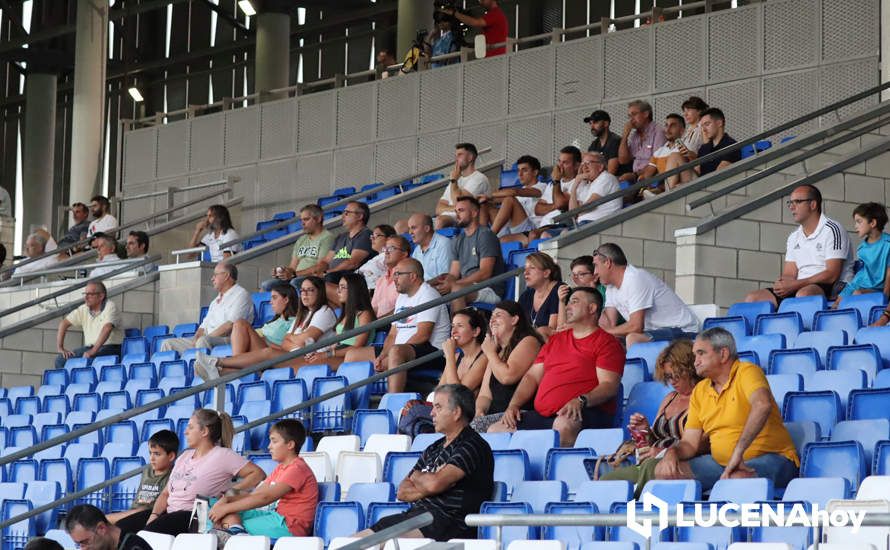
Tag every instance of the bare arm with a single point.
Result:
(609, 318)
(483, 400)
(435, 483)
(60, 335)
(263, 495)
(606, 389)
(423, 333)
(612, 166)
(761, 401)
(636, 324)
(486, 268)
(222, 330)
(408, 491)
(517, 364)
(251, 475)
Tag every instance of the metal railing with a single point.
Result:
(171, 192)
(570, 215)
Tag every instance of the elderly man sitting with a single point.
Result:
(101, 324)
(35, 245)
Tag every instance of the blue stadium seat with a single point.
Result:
(370, 421)
(536, 443)
(511, 467)
(175, 367)
(355, 372)
(866, 432)
(22, 436)
(109, 386)
(113, 450)
(604, 493)
(151, 427)
(53, 430)
(788, 324)
(807, 306)
(130, 358)
(134, 345)
(762, 345)
(56, 376)
(397, 465)
(366, 493)
(40, 493)
(84, 375)
(265, 462)
(838, 320)
(142, 371)
(539, 493)
(123, 433)
(673, 491)
(647, 351)
(309, 373)
(573, 536)
(23, 470)
(116, 400)
(86, 402)
(269, 376)
(817, 490)
(123, 492)
(91, 471)
(75, 363)
(46, 418)
(224, 350)
(614, 545)
(329, 414)
(742, 490)
(289, 393)
(882, 379)
(252, 391)
(508, 533)
(781, 384)
(881, 464)
(144, 397)
(863, 303)
(880, 337)
(393, 402)
(602, 441)
(716, 537)
(16, 535)
(834, 459)
(498, 441)
(328, 491)
(115, 372)
(625, 534)
(865, 404)
(5, 407)
(864, 357)
(803, 362)
(183, 330)
(256, 438)
(736, 325)
(842, 382)
(567, 465)
(94, 438)
(14, 420)
(823, 407)
(56, 469)
(57, 403)
(423, 440)
(821, 341)
(753, 358)
(750, 311)
(380, 510)
(27, 405)
(635, 371)
(644, 398)
(338, 519)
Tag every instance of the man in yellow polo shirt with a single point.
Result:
(101, 324)
(732, 409)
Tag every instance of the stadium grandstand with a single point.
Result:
(444, 274)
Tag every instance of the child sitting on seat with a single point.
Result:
(874, 251)
(284, 503)
(162, 449)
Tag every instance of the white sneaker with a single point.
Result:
(206, 366)
(647, 194)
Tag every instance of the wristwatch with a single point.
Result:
(583, 399)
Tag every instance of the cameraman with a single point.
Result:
(493, 24)
(445, 38)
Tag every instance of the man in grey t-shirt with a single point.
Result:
(477, 254)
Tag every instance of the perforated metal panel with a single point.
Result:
(628, 63)
(666, 104)
(788, 96)
(354, 166)
(530, 136)
(397, 104)
(173, 155)
(618, 112)
(315, 121)
(485, 94)
(579, 72)
(531, 77)
(680, 53)
(278, 128)
(276, 182)
(850, 29)
(356, 114)
(841, 80)
(140, 148)
(734, 43)
(194, 193)
(440, 96)
(314, 174)
(207, 142)
(487, 135)
(740, 102)
(791, 33)
(242, 136)
(436, 149)
(569, 128)
(395, 159)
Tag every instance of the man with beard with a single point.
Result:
(103, 222)
(605, 141)
(464, 180)
(89, 528)
(477, 254)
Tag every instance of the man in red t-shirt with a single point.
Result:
(575, 378)
(493, 24)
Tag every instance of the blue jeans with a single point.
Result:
(114, 349)
(668, 333)
(771, 465)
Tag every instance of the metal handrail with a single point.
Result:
(410, 524)
(790, 146)
(82, 283)
(167, 191)
(77, 267)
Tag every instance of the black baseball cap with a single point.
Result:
(597, 116)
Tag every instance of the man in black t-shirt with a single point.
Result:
(453, 476)
(89, 528)
(605, 141)
(715, 138)
(351, 249)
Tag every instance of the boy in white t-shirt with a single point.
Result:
(515, 218)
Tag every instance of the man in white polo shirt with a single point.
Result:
(232, 303)
(100, 321)
(818, 257)
(592, 183)
(653, 311)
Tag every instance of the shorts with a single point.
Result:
(420, 350)
(441, 529)
(591, 417)
(830, 290)
(265, 522)
(668, 333)
(524, 227)
(771, 465)
(487, 296)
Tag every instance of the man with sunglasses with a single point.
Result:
(395, 250)
(100, 321)
(90, 529)
(312, 246)
(818, 256)
(350, 250)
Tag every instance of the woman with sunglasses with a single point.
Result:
(375, 268)
(540, 299)
(314, 320)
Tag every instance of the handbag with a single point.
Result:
(618, 459)
(416, 418)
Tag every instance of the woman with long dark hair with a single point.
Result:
(510, 347)
(284, 303)
(465, 362)
(314, 320)
(214, 231)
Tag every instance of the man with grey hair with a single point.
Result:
(592, 183)
(432, 250)
(733, 408)
(653, 311)
(309, 249)
(106, 246)
(232, 303)
(100, 321)
(453, 476)
(641, 138)
(35, 245)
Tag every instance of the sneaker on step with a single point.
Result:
(206, 366)
(647, 194)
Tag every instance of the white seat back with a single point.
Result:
(320, 464)
(406, 544)
(536, 545)
(877, 536)
(335, 444)
(299, 543)
(756, 546)
(158, 541)
(358, 467)
(477, 544)
(194, 541)
(337, 542)
(387, 443)
(874, 488)
(248, 542)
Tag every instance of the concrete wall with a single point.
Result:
(26, 354)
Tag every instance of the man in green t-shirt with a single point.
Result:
(311, 247)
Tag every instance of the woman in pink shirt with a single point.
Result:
(205, 469)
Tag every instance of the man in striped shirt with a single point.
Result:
(453, 476)
(818, 257)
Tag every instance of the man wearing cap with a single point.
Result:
(604, 140)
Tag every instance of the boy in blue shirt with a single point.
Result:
(874, 251)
